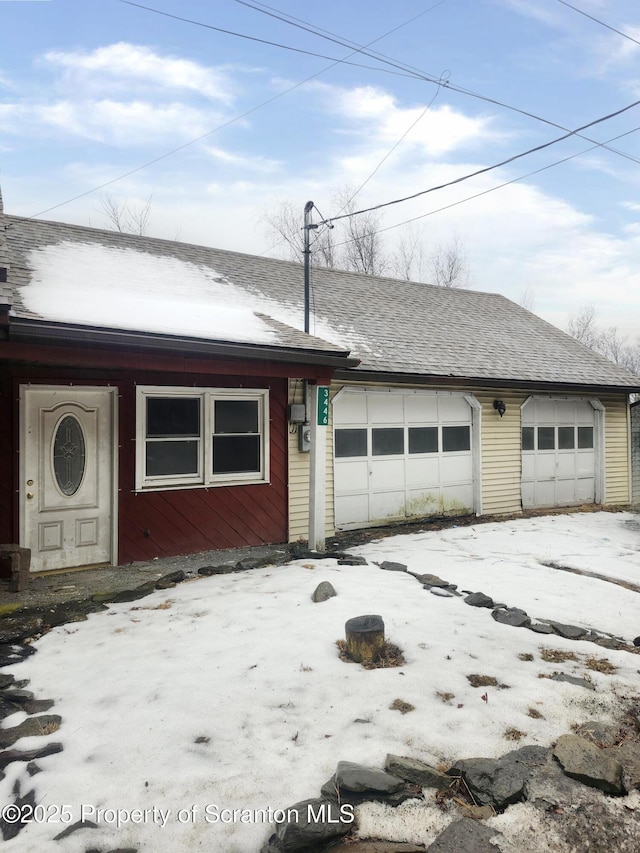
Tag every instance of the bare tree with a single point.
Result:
(527, 298)
(607, 342)
(125, 219)
(356, 244)
(449, 267)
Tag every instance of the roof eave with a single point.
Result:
(486, 381)
(38, 331)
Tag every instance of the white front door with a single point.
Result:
(67, 475)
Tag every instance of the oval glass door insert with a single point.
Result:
(69, 455)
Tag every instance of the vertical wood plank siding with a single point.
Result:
(174, 521)
(500, 448)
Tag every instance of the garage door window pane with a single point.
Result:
(585, 437)
(423, 439)
(387, 442)
(546, 438)
(455, 438)
(351, 442)
(527, 438)
(566, 438)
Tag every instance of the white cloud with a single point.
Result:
(132, 65)
(380, 118)
(251, 162)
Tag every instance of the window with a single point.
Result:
(528, 438)
(387, 441)
(351, 442)
(566, 438)
(423, 439)
(546, 438)
(455, 438)
(201, 437)
(585, 437)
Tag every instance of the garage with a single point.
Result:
(560, 452)
(401, 454)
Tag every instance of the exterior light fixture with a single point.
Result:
(500, 407)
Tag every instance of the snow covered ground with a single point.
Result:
(228, 693)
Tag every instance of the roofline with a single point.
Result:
(486, 381)
(32, 331)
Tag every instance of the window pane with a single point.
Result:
(546, 438)
(527, 438)
(566, 438)
(423, 439)
(236, 416)
(69, 455)
(236, 454)
(351, 442)
(456, 438)
(169, 416)
(585, 437)
(387, 442)
(166, 458)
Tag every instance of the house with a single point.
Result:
(180, 363)
(635, 451)
(143, 399)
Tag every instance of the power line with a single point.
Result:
(488, 168)
(598, 21)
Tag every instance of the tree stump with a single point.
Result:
(365, 637)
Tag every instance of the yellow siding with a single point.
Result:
(500, 449)
(616, 430)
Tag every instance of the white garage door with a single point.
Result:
(400, 455)
(558, 453)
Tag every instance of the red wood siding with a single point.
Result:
(180, 521)
(171, 522)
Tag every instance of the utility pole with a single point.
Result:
(314, 396)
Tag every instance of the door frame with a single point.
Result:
(24, 387)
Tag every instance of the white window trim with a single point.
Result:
(203, 478)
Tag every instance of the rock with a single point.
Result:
(257, 562)
(8, 756)
(170, 580)
(392, 567)
(499, 782)
(42, 725)
(465, 836)
(602, 734)
(417, 772)
(442, 592)
(432, 580)
(352, 561)
(628, 754)
(512, 616)
(74, 827)
(124, 595)
(479, 599)
(355, 783)
(11, 653)
(607, 642)
(311, 824)
(323, 592)
(376, 847)
(540, 628)
(582, 760)
(224, 569)
(480, 812)
(547, 787)
(11, 829)
(69, 611)
(572, 679)
(569, 632)
(19, 626)
(6, 680)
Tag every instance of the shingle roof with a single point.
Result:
(392, 326)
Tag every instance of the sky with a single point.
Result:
(227, 692)
(113, 101)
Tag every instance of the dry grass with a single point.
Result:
(402, 706)
(445, 697)
(165, 605)
(482, 680)
(388, 656)
(534, 714)
(514, 734)
(556, 655)
(525, 656)
(601, 665)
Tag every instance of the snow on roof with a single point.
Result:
(104, 286)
